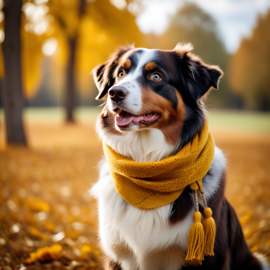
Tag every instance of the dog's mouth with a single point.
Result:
(124, 119)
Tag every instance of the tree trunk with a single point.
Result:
(12, 93)
(70, 94)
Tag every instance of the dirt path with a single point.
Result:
(45, 201)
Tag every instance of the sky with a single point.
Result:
(235, 18)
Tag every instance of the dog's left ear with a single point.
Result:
(104, 73)
(102, 81)
(199, 78)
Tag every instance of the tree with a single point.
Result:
(250, 65)
(82, 26)
(32, 37)
(12, 90)
(68, 15)
(86, 33)
(192, 24)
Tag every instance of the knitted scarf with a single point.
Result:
(148, 185)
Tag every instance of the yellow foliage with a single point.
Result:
(249, 232)
(244, 219)
(85, 250)
(98, 29)
(91, 51)
(45, 254)
(2, 68)
(29, 218)
(49, 226)
(254, 248)
(38, 205)
(58, 61)
(73, 234)
(249, 67)
(66, 14)
(31, 62)
(37, 234)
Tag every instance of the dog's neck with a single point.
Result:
(142, 146)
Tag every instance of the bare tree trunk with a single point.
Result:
(12, 87)
(71, 98)
(70, 94)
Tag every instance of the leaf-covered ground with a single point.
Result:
(49, 221)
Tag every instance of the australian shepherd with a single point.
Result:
(154, 105)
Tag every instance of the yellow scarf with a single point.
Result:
(148, 185)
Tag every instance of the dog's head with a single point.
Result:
(155, 89)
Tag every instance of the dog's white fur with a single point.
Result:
(135, 237)
(133, 99)
(262, 260)
(145, 145)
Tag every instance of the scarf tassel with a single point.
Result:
(196, 240)
(209, 226)
(201, 236)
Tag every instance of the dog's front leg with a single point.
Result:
(127, 264)
(111, 265)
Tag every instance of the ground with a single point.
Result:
(49, 221)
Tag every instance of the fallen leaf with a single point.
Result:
(45, 254)
(37, 234)
(38, 205)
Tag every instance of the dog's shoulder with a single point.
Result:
(215, 177)
(104, 185)
(213, 186)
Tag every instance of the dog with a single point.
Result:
(154, 106)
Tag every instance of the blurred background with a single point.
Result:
(49, 150)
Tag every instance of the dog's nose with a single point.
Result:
(117, 94)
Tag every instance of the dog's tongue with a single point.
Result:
(125, 118)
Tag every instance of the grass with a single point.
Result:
(230, 119)
(240, 120)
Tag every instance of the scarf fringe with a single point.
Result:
(196, 240)
(209, 226)
(201, 236)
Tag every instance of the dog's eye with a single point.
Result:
(121, 73)
(156, 77)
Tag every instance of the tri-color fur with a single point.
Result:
(170, 85)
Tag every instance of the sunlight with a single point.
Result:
(34, 12)
(133, 8)
(120, 4)
(101, 38)
(38, 2)
(2, 36)
(41, 27)
(49, 47)
(2, 16)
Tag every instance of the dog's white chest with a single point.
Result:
(138, 237)
(144, 239)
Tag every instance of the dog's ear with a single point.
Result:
(103, 74)
(199, 78)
